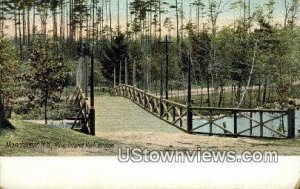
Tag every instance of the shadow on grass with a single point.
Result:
(5, 125)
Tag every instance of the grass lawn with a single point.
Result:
(31, 139)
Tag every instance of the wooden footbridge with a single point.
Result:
(197, 120)
(214, 121)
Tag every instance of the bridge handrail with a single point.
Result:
(238, 109)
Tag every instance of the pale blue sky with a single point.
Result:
(224, 18)
(279, 6)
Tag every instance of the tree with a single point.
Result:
(201, 50)
(46, 75)
(8, 71)
(292, 9)
(114, 57)
(215, 8)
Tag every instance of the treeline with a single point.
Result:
(255, 57)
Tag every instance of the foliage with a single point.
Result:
(255, 50)
(9, 66)
(114, 56)
(46, 75)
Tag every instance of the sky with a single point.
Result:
(225, 18)
(279, 7)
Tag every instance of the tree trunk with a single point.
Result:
(24, 26)
(134, 74)
(264, 93)
(160, 19)
(115, 76)
(208, 91)
(46, 106)
(221, 98)
(126, 72)
(62, 22)
(28, 27)
(110, 22)
(258, 92)
(177, 22)
(120, 73)
(54, 15)
(33, 20)
(20, 36)
(4, 123)
(16, 27)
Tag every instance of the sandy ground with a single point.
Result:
(123, 121)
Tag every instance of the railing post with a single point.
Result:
(126, 91)
(251, 123)
(291, 123)
(144, 99)
(167, 105)
(235, 123)
(210, 122)
(261, 118)
(161, 108)
(174, 113)
(189, 119)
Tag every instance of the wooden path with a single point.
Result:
(118, 114)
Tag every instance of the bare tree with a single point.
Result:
(292, 9)
(215, 8)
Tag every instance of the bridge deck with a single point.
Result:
(121, 115)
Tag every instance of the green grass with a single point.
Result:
(48, 140)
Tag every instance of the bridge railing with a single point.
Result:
(214, 121)
(244, 122)
(81, 119)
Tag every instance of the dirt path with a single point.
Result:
(181, 93)
(197, 91)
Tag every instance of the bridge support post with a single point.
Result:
(92, 97)
(189, 99)
(291, 123)
(92, 121)
(189, 120)
(235, 125)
